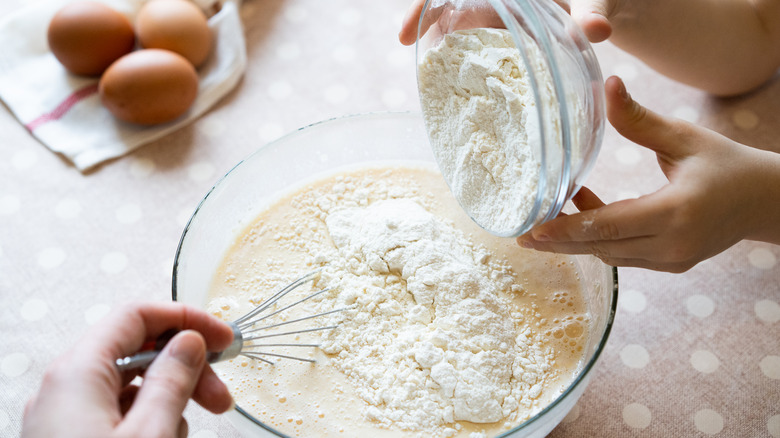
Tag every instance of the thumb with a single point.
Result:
(593, 18)
(168, 385)
(665, 136)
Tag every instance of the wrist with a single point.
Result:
(765, 221)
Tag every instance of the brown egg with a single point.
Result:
(86, 37)
(149, 86)
(175, 25)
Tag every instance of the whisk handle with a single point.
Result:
(137, 361)
(142, 359)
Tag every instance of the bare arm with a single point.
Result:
(725, 47)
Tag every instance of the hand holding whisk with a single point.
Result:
(248, 333)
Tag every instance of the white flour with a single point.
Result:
(430, 338)
(482, 119)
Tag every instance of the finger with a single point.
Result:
(408, 33)
(641, 248)
(675, 268)
(168, 385)
(128, 328)
(29, 406)
(644, 216)
(127, 397)
(129, 375)
(211, 393)
(586, 200)
(184, 428)
(564, 4)
(667, 137)
(593, 18)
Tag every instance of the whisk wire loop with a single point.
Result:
(245, 329)
(245, 332)
(277, 296)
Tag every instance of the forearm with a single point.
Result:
(725, 47)
(765, 226)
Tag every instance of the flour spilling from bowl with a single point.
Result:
(483, 122)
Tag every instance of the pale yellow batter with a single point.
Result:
(291, 238)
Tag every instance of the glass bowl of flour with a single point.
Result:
(513, 102)
(449, 331)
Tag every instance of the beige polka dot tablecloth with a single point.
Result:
(694, 354)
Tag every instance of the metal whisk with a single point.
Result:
(247, 332)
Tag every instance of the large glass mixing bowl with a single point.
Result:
(566, 129)
(320, 149)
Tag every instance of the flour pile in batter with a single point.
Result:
(441, 344)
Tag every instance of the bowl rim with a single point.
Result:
(585, 371)
(581, 375)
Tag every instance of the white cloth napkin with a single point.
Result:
(64, 111)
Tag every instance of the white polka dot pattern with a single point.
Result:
(634, 356)
(113, 262)
(344, 54)
(51, 258)
(184, 216)
(770, 366)
(708, 421)
(279, 90)
(336, 94)
(9, 204)
(34, 309)
(626, 71)
(95, 313)
(687, 113)
(704, 361)
(700, 305)
(295, 14)
(637, 416)
(288, 51)
(767, 311)
(762, 258)
(628, 155)
(201, 171)
(393, 98)
(15, 364)
(350, 17)
(24, 160)
(270, 131)
(212, 127)
(68, 208)
(4, 420)
(400, 57)
(773, 425)
(129, 213)
(142, 167)
(632, 301)
(626, 194)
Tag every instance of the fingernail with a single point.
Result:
(525, 243)
(187, 349)
(622, 92)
